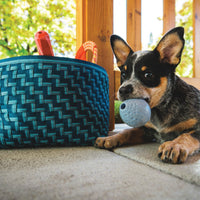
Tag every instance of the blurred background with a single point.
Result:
(21, 19)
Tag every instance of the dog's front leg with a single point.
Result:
(178, 150)
(128, 136)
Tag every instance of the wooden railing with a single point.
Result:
(95, 22)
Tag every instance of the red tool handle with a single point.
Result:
(43, 43)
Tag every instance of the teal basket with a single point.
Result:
(52, 101)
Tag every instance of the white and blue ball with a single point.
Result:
(135, 112)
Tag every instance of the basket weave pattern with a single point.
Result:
(52, 101)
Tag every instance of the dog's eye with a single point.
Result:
(148, 75)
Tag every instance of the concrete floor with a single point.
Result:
(88, 173)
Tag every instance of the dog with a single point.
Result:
(175, 105)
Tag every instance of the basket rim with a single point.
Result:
(38, 58)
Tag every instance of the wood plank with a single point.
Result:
(196, 38)
(97, 25)
(117, 79)
(168, 15)
(193, 81)
(134, 24)
(79, 22)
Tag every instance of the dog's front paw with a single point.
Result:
(173, 152)
(106, 142)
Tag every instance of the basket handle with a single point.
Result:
(81, 53)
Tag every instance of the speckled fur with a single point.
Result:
(180, 103)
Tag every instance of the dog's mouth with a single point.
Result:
(147, 100)
(143, 95)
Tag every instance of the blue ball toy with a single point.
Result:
(135, 112)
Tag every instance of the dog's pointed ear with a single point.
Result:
(171, 46)
(120, 49)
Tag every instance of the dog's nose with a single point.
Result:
(126, 90)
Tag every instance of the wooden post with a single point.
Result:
(79, 23)
(196, 38)
(134, 24)
(168, 15)
(193, 81)
(95, 22)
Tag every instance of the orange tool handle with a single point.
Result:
(43, 43)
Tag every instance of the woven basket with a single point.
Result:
(51, 101)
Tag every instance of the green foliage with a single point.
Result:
(117, 115)
(21, 19)
(184, 18)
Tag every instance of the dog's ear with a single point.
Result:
(171, 45)
(120, 49)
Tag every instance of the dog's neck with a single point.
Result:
(167, 97)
